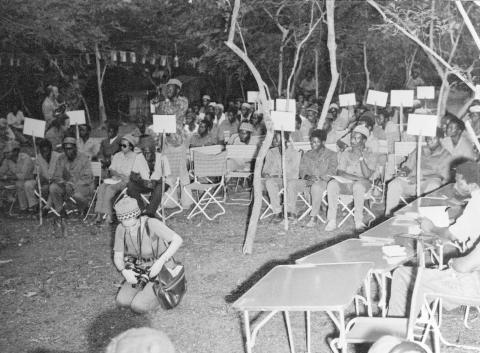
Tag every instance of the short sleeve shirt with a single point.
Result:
(350, 163)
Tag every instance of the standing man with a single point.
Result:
(174, 104)
(50, 105)
(72, 178)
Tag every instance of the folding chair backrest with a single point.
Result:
(213, 149)
(247, 152)
(176, 160)
(383, 146)
(209, 165)
(417, 295)
(404, 148)
(96, 170)
(332, 147)
(302, 146)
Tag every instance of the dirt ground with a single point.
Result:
(57, 294)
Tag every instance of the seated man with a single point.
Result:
(46, 163)
(110, 145)
(85, 144)
(56, 133)
(228, 127)
(17, 168)
(456, 142)
(72, 178)
(435, 172)
(146, 177)
(190, 128)
(244, 136)
(120, 169)
(355, 167)
(204, 136)
(259, 128)
(272, 172)
(462, 278)
(142, 130)
(316, 168)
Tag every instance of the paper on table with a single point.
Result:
(377, 98)
(111, 181)
(422, 124)
(437, 214)
(347, 100)
(426, 92)
(76, 117)
(283, 120)
(401, 98)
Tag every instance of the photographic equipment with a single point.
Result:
(142, 272)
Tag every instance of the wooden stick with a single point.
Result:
(316, 73)
(39, 184)
(419, 159)
(163, 177)
(284, 176)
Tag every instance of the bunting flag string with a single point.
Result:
(113, 56)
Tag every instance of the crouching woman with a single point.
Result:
(142, 246)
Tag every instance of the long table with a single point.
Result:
(330, 288)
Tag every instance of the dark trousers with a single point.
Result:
(135, 189)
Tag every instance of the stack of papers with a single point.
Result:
(394, 251)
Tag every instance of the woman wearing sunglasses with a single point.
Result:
(120, 169)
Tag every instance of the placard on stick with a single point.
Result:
(164, 124)
(426, 92)
(281, 105)
(283, 120)
(401, 98)
(477, 92)
(34, 127)
(77, 117)
(347, 100)
(377, 98)
(252, 96)
(422, 124)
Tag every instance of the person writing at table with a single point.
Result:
(435, 169)
(462, 278)
(356, 166)
(145, 243)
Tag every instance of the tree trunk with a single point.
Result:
(280, 65)
(367, 73)
(297, 75)
(264, 107)
(332, 51)
(101, 104)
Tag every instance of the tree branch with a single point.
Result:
(469, 24)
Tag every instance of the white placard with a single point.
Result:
(347, 100)
(165, 123)
(281, 105)
(477, 92)
(34, 127)
(77, 117)
(252, 96)
(401, 98)
(422, 124)
(377, 98)
(426, 92)
(283, 120)
(152, 108)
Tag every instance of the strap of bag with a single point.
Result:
(156, 253)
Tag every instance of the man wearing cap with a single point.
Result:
(149, 168)
(120, 169)
(462, 277)
(219, 114)
(245, 112)
(244, 136)
(72, 178)
(356, 165)
(435, 169)
(174, 104)
(17, 168)
(203, 108)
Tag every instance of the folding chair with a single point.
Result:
(207, 165)
(246, 153)
(9, 193)
(345, 200)
(97, 173)
(370, 329)
(269, 210)
(307, 202)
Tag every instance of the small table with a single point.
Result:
(330, 288)
(358, 250)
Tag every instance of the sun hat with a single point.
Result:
(69, 141)
(333, 106)
(362, 130)
(246, 126)
(127, 208)
(130, 138)
(174, 81)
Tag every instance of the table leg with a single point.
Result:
(248, 340)
(289, 331)
(308, 331)
(340, 323)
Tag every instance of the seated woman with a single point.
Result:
(120, 169)
(140, 242)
